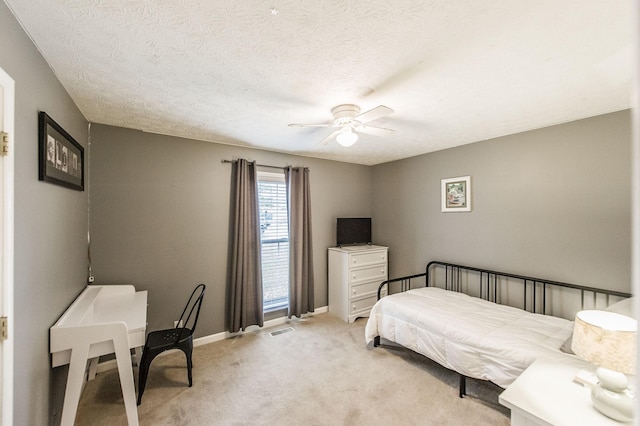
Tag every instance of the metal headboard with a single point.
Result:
(535, 294)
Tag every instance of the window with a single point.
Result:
(274, 240)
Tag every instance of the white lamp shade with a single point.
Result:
(606, 339)
(347, 137)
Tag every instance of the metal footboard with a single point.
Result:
(536, 295)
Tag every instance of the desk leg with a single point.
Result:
(77, 367)
(138, 353)
(123, 359)
(93, 367)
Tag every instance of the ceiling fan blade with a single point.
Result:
(373, 130)
(373, 114)
(310, 125)
(326, 140)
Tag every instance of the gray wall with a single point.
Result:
(552, 203)
(50, 226)
(159, 214)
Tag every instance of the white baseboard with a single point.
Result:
(268, 324)
(111, 364)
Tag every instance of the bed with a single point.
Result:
(483, 324)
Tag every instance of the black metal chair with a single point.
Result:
(180, 337)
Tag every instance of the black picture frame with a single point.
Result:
(60, 157)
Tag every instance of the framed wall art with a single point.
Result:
(456, 194)
(60, 157)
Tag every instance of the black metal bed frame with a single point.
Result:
(536, 292)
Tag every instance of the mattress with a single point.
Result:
(472, 336)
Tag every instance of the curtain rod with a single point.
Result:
(259, 165)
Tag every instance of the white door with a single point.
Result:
(6, 246)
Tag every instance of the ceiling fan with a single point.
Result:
(350, 122)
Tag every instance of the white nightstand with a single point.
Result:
(545, 394)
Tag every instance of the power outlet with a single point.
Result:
(177, 324)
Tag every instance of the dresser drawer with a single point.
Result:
(372, 273)
(365, 304)
(367, 258)
(366, 289)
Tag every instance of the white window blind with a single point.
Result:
(274, 239)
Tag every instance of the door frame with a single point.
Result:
(6, 277)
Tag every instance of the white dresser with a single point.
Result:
(355, 272)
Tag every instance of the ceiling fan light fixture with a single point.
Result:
(347, 137)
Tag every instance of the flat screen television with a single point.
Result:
(353, 230)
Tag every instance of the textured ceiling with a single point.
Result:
(237, 72)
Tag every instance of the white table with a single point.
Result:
(102, 320)
(545, 394)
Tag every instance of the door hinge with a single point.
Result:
(4, 333)
(5, 143)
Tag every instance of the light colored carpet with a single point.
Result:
(322, 373)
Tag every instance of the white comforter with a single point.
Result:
(474, 337)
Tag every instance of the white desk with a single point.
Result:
(545, 394)
(102, 320)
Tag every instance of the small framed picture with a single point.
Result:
(456, 194)
(60, 157)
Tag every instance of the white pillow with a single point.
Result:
(623, 307)
(566, 346)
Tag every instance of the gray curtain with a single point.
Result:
(245, 287)
(300, 243)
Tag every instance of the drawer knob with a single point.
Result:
(355, 291)
(354, 276)
(353, 308)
